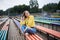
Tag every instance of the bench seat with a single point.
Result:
(49, 31)
(30, 36)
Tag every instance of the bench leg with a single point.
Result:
(55, 38)
(47, 36)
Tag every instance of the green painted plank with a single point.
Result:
(46, 21)
(43, 21)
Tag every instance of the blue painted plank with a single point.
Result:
(3, 34)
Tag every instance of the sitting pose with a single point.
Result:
(27, 23)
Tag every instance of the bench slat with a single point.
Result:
(49, 31)
(3, 34)
(3, 21)
(36, 38)
(31, 37)
(5, 27)
(27, 37)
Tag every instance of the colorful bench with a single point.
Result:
(2, 23)
(46, 18)
(5, 27)
(31, 36)
(4, 31)
(3, 34)
(52, 23)
(49, 31)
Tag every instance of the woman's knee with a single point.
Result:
(33, 30)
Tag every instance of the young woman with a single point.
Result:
(27, 23)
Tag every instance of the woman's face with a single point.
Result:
(27, 13)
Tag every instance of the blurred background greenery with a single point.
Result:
(49, 9)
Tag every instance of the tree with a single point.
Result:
(51, 7)
(17, 9)
(34, 6)
(58, 6)
(1, 12)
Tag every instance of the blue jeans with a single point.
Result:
(31, 31)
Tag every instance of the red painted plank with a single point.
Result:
(28, 37)
(38, 37)
(35, 37)
(32, 37)
(49, 31)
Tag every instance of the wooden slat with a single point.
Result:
(35, 37)
(3, 34)
(49, 31)
(38, 37)
(27, 37)
(3, 21)
(32, 37)
(5, 27)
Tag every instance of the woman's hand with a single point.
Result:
(22, 18)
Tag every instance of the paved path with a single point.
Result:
(13, 32)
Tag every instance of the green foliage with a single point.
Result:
(58, 6)
(52, 7)
(1, 12)
(34, 6)
(17, 9)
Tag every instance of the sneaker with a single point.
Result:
(26, 34)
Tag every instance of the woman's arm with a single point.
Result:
(31, 22)
(22, 21)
